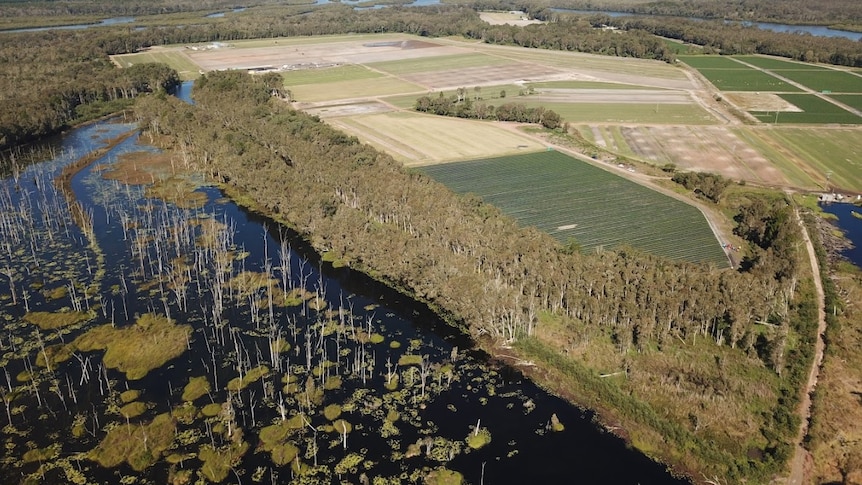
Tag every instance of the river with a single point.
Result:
(322, 343)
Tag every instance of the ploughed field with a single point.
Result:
(575, 201)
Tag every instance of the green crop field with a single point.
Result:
(438, 63)
(571, 199)
(328, 75)
(745, 79)
(711, 62)
(814, 110)
(177, 60)
(852, 100)
(774, 64)
(837, 152)
(826, 80)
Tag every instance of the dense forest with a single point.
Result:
(477, 268)
(46, 78)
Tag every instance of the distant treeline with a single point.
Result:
(46, 76)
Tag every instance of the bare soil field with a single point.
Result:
(713, 149)
(328, 53)
(518, 19)
(483, 76)
(328, 110)
(418, 139)
(633, 96)
(747, 101)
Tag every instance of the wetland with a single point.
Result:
(156, 332)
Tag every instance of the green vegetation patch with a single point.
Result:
(239, 383)
(836, 152)
(814, 110)
(826, 80)
(775, 64)
(197, 387)
(350, 72)
(444, 476)
(746, 79)
(185, 67)
(54, 320)
(574, 200)
(439, 63)
(139, 445)
(133, 409)
(130, 395)
(136, 350)
(852, 100)
(217, 462)
(478, 439)
(711, 62)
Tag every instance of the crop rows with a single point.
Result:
(774, 64)
(570, 199)
(826, 80)
(814, 110)
(745, 79)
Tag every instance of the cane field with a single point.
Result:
(575, 201)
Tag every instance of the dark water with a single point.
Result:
(852, 227)
(817, 30)
(118, 264)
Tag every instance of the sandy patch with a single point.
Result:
(760, 102)
(518, 19)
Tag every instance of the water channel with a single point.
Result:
(851, 225)
(320, 372)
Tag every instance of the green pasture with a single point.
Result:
(348, 72)
(175, 59)
(852, 100)
(571, 199)
(711, 62)
(826, 80)
(357, 88)
(774, 64)
(814, 110)
(834, 151)
(795, 170)
(438, 63)
(683, 114)
(745, 79)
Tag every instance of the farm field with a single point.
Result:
(852, 100)
(419, 139)
(745, 79)
(358, 88)
(818, 152)
(571, 199)
(715, 149)
(814, 110)
(186, 68)
(774, 64)
(827, 80)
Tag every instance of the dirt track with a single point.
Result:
(799, 472)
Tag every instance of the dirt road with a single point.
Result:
(799, 472)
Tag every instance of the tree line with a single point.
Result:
(462, 106)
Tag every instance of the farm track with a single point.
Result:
(800, 469)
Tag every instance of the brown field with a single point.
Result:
(760, 102)
(418, 139)
(350, 52)
(713, 149)
(484, 76)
